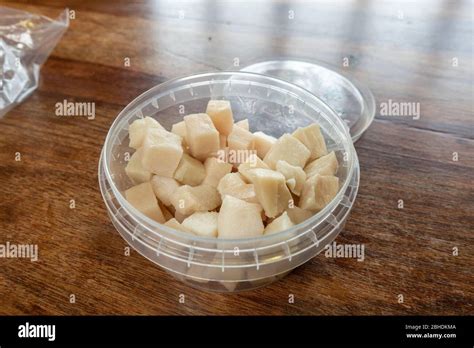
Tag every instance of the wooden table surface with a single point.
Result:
(417, 52)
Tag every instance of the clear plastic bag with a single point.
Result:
(26, 40)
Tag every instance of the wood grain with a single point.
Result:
(402, 51)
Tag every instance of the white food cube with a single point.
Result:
(233, 185)
(164, 188)
(202, 136)
(313, 139)
(230, 180)
(243, 124)
(138, 129)
(135, 170)
(251, 162)
(220, 113)
(144, 200)
(239, 219)
(173, 223)
(287, 148)
(190, 199)
(271, 191)
(295, 176)
(245, 192)
(203, 224)
(162, 152)
(180, 129)
(263, 143)
(298, 215)
(230, 156)
(325, 165)
(240, 139)
(215, 171)
(190, 171)
(281, 223)
(318, 191)
(222, 141)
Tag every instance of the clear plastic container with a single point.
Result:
(227, 265)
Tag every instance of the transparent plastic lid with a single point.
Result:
(353, 102)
